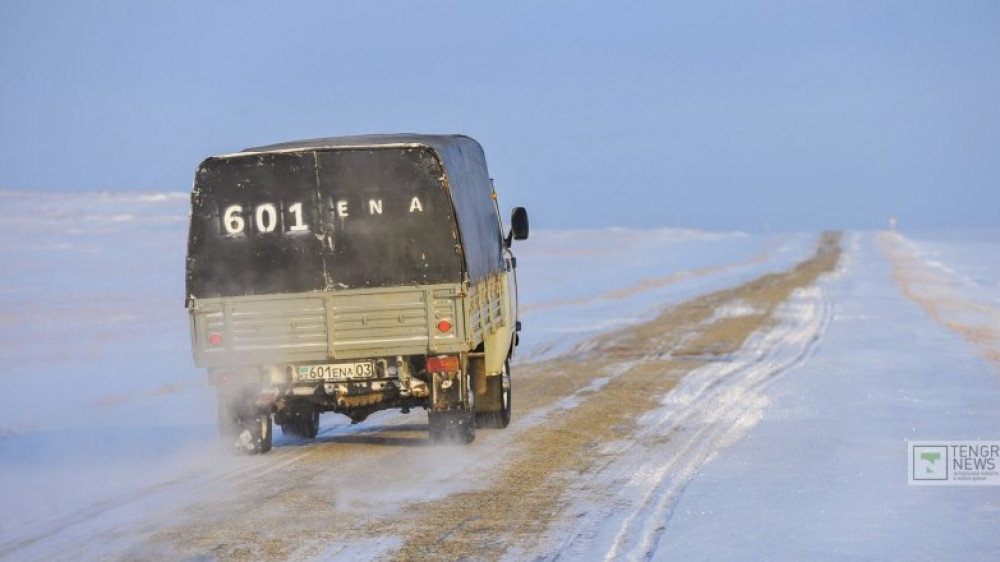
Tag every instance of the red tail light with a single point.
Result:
(443, 364)
(215, 340)
(444, 326)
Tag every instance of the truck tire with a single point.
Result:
(498, 419)
(266, 428)
(255, 436)
(306, 429)
(311, 426)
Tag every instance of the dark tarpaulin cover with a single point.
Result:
(341, 213)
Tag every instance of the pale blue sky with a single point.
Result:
(804, 115)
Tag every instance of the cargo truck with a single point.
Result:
(352, 275)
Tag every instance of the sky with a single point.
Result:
(719, 115)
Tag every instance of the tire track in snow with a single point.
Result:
(199, 479)
(711, 408)
(934, 286)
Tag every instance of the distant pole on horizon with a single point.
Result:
(893, 223)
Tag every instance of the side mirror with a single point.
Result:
(518, 224)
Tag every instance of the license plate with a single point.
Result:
(336, 371)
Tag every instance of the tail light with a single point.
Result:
(215, 340)
(220, 377)
(444, 326)
(443, 364)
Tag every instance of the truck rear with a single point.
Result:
(352, 275)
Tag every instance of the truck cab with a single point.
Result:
(352, 275)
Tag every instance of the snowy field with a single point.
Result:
(100, 397)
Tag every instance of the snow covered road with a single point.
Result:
(700, 398)
(823, 475)
(709, 409)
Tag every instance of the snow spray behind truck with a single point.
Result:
(352, 275)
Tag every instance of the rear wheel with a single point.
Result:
(255, 436)
(497, 419)
(310, 428)
(306, 427)
(244, 426)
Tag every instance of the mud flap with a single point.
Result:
(493, 401)
(452, 417)
(480, 381)
(489, 397)
(453, 426)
